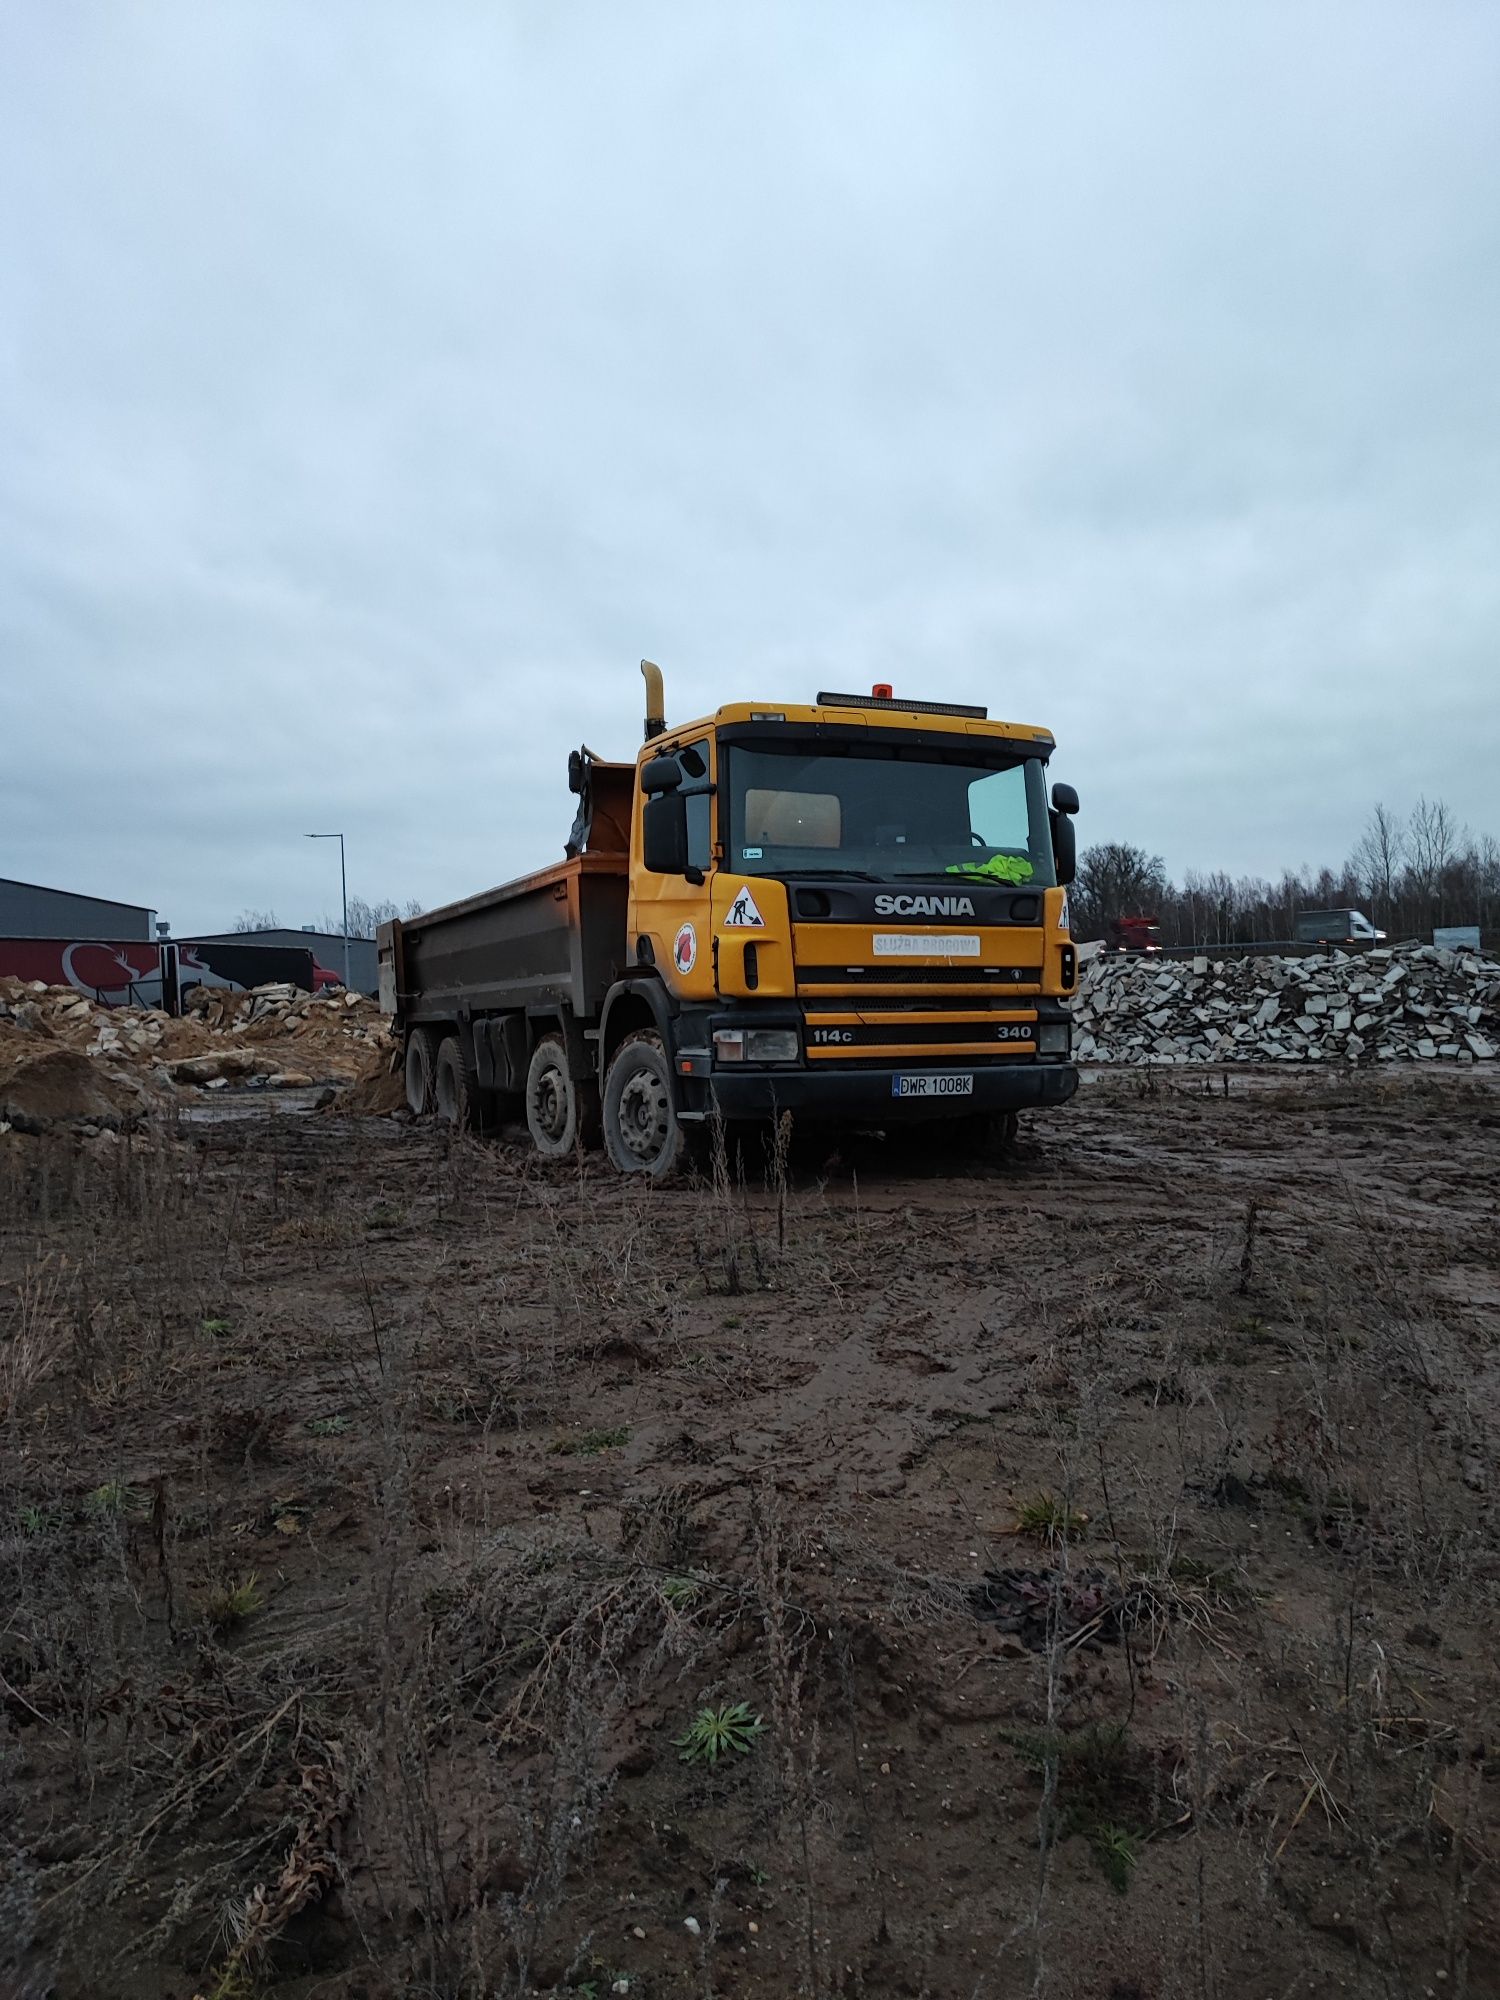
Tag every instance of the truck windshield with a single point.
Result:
(888, 813)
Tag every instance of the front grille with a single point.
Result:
(898, 976)
(978, 1007)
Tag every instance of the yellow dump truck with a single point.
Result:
(854, 911)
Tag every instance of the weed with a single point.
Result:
(681, 1592)
(36, 1346)
(1115, 1849)
(384, 1216)
(232, 1983)
(1087, 1777)
(1095, 1755)
(1047, 1519)
(1220, 1583)
(599, 1978)
(327, 1427)
(232, 1603)
(588, 1444)
(35, 1520)
(1252, 1328)
(215, 1328)
(113, 1499)
(717, 1732)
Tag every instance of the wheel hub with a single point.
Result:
(643, 1115)
(551, 1103)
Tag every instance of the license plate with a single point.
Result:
(932, 1086)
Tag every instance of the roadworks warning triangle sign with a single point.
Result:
(742, 914)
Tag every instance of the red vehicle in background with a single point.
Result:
(1135, 934)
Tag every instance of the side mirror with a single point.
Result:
(1064, 840)
(664, 840)
(662, 774)
(1064, 799)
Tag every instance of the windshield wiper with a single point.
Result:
(827, 874)
(937, 874)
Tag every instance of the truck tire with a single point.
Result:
(642, 1134)
(983, 1135)
(454, 1096)
(421, 1061)
(561, 1111)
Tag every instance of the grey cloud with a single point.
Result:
(377, 384)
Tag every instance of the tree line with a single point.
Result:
(364, 918)
(1410, 876)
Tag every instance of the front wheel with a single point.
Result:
(985, 1134)
(642, 1134)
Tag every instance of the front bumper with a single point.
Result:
(863, 1096)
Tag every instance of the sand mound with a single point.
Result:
(274, 1038)
(376, 1096)
(58, 1086)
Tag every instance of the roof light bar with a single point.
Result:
(909, 707)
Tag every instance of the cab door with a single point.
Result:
(672, 912)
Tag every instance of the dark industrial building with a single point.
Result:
(29, 911)
(327, 947)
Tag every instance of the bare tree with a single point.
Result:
(256, 920)
(1431, 838)
(1487, 882)
(366, 918)
(1115, 879)
(1377, 858)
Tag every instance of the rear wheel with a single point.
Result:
(454, 1096)
(642, 1133)
(421, 1061)
(561, 1111)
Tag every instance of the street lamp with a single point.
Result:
(344, 891)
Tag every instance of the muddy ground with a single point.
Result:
(1102, 1544)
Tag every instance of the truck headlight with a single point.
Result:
(1052, 1038)
(766, 1045)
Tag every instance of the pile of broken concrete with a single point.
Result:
(1397, 1004)
(65, 1060)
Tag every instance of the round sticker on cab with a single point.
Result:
(685, 949)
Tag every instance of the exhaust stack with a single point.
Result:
(656, 715)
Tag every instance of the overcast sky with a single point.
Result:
(379, 383)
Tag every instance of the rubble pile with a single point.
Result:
(1412, 1002)
(66, 1059)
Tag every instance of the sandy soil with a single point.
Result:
(1103, 1545)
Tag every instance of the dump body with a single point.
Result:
(549, 940)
